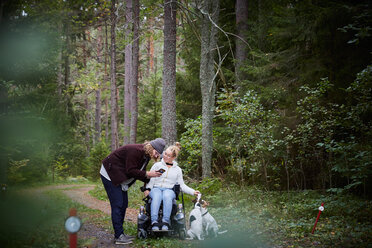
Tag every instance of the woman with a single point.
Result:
(160, 188)
(119, 171)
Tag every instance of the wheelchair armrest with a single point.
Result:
(142, 188)
(177, 190)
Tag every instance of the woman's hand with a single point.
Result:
(150, 174)
(196, 193)
(146, 192)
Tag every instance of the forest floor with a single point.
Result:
(95, 235)
(253, 218)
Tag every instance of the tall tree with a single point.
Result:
(114, 103)
(135, 64)
(169, 130)
(128, 68)
(210, 13)
(97, 121)
(150, 49)
(106, 76)
(241, 10)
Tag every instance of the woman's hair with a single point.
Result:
(174, 149)
(148, 148)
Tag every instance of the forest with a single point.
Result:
(270, 94)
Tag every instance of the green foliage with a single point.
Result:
(208, 186)
(318, 120)
(191, 145)
(61, 167)
(15, 176)
(286, 219)
(149, 110)
(352, 155)
(97, 154)
(249, 136)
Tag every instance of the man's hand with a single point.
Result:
(146, 192)
(150, 174)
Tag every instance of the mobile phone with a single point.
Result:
(161, 171)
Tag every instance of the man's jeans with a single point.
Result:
(119, 203)
(167, 196)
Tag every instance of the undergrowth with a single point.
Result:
(258, 218)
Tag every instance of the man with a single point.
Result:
(119, 171)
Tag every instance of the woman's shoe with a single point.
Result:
(165, 227)
(155, 226)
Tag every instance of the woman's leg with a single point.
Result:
(168, 197)
(119, 203)
(156, 198)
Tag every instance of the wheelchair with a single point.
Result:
(177, 227)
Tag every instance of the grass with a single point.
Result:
(286, 219)
(259, 218)
(37, 220)
(253, 218)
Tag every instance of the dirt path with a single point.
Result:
(97, 236)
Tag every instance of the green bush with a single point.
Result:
(97, 154)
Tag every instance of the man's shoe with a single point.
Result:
(130, 237)
(123, 240)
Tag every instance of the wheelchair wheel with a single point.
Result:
(182, 234)
(141, 234)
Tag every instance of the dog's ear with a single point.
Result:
(193, 200)
(204, 204)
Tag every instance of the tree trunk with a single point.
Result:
(87, 136)
(97, 120)
(150, 50)
(241, 9)
(286, 168)
(114, 121)
(155, 90)
(60, 69)
(169, 130)
(105, 80)
(210, 9)
(134, 88)
(67, 57)
(128, 80)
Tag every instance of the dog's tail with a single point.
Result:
(222, 232)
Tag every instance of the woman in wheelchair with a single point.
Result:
(161, 188)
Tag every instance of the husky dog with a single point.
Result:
(196, 225)
(209, 223)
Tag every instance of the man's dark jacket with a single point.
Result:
(125, 163)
